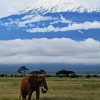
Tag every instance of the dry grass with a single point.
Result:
(59, 89)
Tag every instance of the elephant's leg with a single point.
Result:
(29, 96)
(24, 96)
(37, 94)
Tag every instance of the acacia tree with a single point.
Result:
(42, 72)
(23, 70)
(65, 73)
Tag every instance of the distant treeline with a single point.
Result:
(24, 71)
(56, 75)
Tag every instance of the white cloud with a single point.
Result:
(32, 19)
(85, 25)
(55, 50)
(28, 19)
(75, 26)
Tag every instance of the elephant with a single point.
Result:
(30, 84)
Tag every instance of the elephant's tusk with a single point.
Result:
(44, 90)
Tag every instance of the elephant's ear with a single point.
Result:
(40, 79)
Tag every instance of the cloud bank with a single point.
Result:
(55, 50)
(75, 26)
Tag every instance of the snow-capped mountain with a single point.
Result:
(44, 6)
(75, 19)
(51, 31)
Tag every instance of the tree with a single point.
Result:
(23, 70)
(42, 71)
(65, 73)
(38, 72)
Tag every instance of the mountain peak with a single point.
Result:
(44, 6)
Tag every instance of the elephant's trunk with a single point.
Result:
(45, 87)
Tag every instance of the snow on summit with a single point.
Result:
(65, 5)
(9, 7)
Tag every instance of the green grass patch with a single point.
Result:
(59, 89)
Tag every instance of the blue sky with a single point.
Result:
(63, 34)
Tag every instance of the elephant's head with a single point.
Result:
(43, 84)
(39, 81)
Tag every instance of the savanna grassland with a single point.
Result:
(59, 89)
